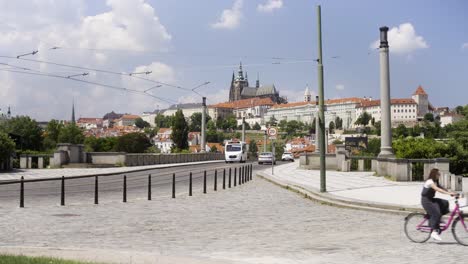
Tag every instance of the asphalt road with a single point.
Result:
(110, 188)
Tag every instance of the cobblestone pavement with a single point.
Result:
(257, 222)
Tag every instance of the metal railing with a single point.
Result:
(224, 178)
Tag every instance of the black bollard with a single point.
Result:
(251, 171)
(240, 174)
(125, 189)
(224, 179)
(96, 189)
(190, 185)
(204, 182)
(235, 177)
(229, 177)
(216, 180)
(62, 193)
(243, 174)
(149, 187)
(22, 192)
(173, 185)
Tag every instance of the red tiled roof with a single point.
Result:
(89, 120)
(129, 117)
(393, 102)
(295, 104)
(327, 102)
(244, 103)
(420, 91)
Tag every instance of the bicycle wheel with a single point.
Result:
(417, 227)
(460, 230)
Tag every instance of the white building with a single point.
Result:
(403, 111)
(344, 108)
(449, 118)
(253, 109)
(162, 140)
(89, 123)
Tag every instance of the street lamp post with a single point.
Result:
(203, 126)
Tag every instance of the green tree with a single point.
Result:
(253, 148)
(71, 133)
(211, 125)
(401, 131)
(133, 143)
(7, 147)
(140, 123)
(230, 122)
(27, 133)
(331, 127)
(51, 134)
(107, 144)
(213, 149)
(272, 121)
(256, 126)
(180, 131)
(363, 119)
(196, 120)
(247, 126)
(163, 121)
(429, 117)
(339, 123)
(378, 127)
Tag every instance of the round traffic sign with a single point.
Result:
(272, 131)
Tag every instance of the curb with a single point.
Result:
(331, 200)
(120, 172)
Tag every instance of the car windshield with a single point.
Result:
(233, 148)
(266, 154)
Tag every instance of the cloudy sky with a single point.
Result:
(187, 43)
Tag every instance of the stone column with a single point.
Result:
(203, 126)
(386, 139)
(29, 163)
(40, 162)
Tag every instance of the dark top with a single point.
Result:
(428, 192)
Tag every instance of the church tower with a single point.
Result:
(307, 95)
(238, 85)
(422, 100)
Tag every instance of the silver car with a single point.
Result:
(266, 157)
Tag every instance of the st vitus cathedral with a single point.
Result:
(240, 89)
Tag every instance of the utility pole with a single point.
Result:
(243, 129)
(323, 185)
(203, 126)
(264, 141)
(317, 125)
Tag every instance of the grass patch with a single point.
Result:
(10, 259)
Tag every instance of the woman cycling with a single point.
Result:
(435, 207)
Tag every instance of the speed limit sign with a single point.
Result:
(272, 132)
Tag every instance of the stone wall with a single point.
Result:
(311, 161)
(142, 159)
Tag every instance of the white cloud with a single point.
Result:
(230, 18)
(340, 87)
(270, 6)
(41, 24)
(403, 40)
(465, 46)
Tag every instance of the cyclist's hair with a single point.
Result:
(433, 174)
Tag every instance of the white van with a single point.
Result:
(235, 151)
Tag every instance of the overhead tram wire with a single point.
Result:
(38, 73)
(96, 70)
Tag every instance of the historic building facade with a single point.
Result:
(240, 89)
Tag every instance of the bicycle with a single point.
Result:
(417, 227)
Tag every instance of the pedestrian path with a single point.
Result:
(354, 187)
(68, 172)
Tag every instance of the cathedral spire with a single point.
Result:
(240, 75)
(9, 113)
(73, 112)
